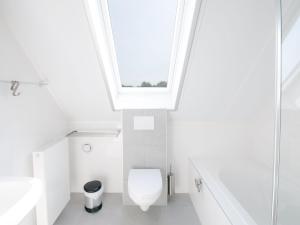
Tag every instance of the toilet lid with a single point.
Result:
(144, 182)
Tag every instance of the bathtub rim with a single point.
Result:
(233, 210)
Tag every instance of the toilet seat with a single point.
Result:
(144, 186)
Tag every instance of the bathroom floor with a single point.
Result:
(179, 211)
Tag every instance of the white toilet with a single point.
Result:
(144, 186)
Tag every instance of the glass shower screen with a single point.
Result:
(289, 175)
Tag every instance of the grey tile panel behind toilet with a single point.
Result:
(145, 148)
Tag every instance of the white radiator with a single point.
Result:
(51, 165)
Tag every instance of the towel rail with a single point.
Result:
(14, 85)
(95, 133)
(39, 83)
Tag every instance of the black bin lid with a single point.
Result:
(92, 186)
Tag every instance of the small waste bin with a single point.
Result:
(93, 191)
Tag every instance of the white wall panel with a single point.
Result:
(28, 121)
(104, 162)
(51, 165)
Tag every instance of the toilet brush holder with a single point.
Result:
(171, 183)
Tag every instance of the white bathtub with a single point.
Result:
(237, 193)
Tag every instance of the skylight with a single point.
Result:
(143, 43)
(143, 33)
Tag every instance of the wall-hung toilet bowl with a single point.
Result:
(144, 186)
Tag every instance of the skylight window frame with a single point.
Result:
(143, 97)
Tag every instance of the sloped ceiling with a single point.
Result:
(56, 37)
(227, 76)
(231, 70)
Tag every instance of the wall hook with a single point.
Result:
(14, 87)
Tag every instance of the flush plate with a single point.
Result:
(143, 122)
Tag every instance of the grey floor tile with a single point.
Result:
(179, 211)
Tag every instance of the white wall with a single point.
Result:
(104, 162)
(185, 139)
(261, 117)
(220, 139)
(26, 122)
(227, 104)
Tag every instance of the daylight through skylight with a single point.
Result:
(143, 33)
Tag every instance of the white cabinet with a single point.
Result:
(206, 206)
